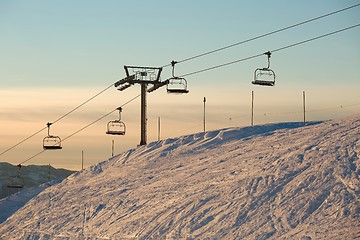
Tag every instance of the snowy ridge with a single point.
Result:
(275, 181)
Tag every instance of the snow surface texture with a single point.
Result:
(11, 204)
(275, 181)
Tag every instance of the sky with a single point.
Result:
(55, 55)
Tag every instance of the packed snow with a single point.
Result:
(34, 179)
(274, 181)
(12, 203)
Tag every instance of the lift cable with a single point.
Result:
(275, 50)
(211, 68)
(81, 129)
(196, 72)
(116, 109)
(264, 35)
(76, 108)
(57, 120)
(191, 58)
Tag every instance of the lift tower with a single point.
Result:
(144, 76)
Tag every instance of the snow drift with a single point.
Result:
(275, 181)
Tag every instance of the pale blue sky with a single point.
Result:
(77, 43)
(54, 55)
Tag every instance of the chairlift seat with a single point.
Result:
(16, 182)
(263, 83)
(15, 186)
(177, 85)
(264, 77)
(115, 132)
(180, 91)
(52, 147)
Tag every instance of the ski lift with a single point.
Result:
(16, 181)
(116, 127)
(176, 84)
(264, 76)
(51, 142)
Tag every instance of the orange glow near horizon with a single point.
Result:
(26, 111)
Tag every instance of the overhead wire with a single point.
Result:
(194, 57)
(57, 120)
(264, 35)
(82, 104)
(22, 141)
(101, 118)
(211, 68)
(217, 66)
(81, 129)
(315, 38)
(275, 50)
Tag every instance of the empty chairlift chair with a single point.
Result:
(116, 127)
(264, 76)
(16, 181)
(51, 142)
(176, 84)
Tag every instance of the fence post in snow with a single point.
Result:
(204, 113)
(158, 128)
(82, 160)
(252, 108)
(304, 106)
(112, 148)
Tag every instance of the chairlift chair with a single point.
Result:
(51, 142)
(176, 84)
(16, 181)
(264, 76)
(116, 127)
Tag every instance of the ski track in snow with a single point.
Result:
(12, 203)
(273, 181)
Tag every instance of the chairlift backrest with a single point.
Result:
(16, 181)
(52, 143)
(264, 77)
(177, 85)
(116, 127)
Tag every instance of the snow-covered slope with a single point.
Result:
(12, 203)
(276, 181)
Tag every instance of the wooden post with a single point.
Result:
(204, 114)
(158, 128)
(252, 108)
(82, 160)
(112, 148)
(304, 107)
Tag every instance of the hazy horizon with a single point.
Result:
(56, 56)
